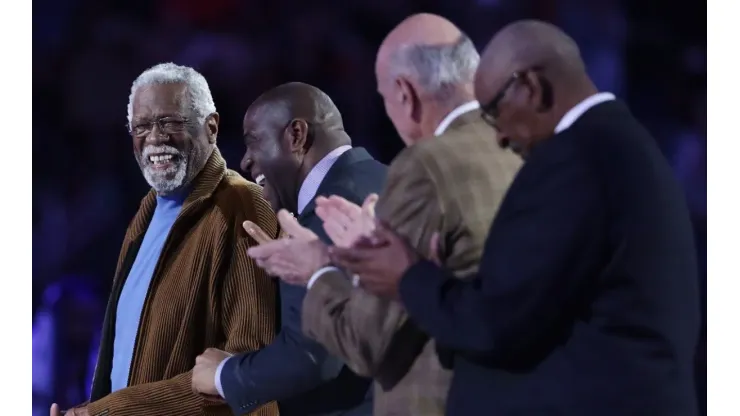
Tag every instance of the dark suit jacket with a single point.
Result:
(586, 300)
(297, 371)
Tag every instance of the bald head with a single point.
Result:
(530, 76)
(422, 28)
(527, 44)
(296, 100)
(287, 131)
(431, 51)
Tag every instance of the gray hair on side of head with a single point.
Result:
(201, 101)
(438, 69)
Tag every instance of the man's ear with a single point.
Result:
(297, 135)
(408, 97)
(212, 127)
(539, 92)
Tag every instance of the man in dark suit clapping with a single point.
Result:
(586, 301)
(297, 149)
(449, 179)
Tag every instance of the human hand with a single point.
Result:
(54, 411)
(347, 223)
(256, 232)
(289, 227)
(434, 248)
(380, 267)
(293, 260)
(76, 411)
(203, 381)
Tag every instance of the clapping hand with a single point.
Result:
(347, 223)
(381, 266)
(289, 227)
(76, 411)
(292, 259)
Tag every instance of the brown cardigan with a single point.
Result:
(205, 292)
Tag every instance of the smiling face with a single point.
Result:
(271, 158)
(170, 145)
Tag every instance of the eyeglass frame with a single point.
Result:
(161, 123)
(489, 112)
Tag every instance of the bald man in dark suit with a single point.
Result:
(585, 302)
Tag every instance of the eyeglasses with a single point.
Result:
(166, 125)
(489, 111)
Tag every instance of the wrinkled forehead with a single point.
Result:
(160, 100)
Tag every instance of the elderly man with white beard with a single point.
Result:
(184, 282)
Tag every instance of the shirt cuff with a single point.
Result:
(217, 382)
(319, 273)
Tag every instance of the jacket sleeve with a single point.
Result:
(357, 326)
(553, 218)
(289, 366)
(243, 298)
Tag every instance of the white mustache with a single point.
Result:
(162, 149)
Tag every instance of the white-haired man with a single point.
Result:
(450, 179)
(183, 282)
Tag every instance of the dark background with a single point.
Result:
(86, 54)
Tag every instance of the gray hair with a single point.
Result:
(201, 101)
(437, 68)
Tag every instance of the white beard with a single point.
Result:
(170, 179)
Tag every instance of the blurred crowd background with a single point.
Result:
(86, 53)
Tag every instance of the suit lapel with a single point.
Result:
(345, 161)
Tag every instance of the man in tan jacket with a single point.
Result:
(450, 179)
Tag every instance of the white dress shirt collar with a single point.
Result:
(457, 112)
(576, 112)
(313, 180)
